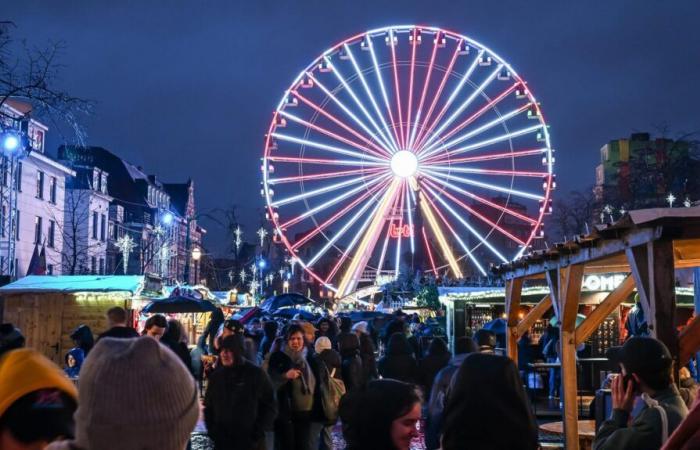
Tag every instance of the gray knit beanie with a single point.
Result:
(134, 394)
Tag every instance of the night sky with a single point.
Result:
(187, 88)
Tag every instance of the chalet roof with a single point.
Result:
(43, 284)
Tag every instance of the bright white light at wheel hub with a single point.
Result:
(404, 163)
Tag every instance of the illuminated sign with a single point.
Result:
(397, 232)
(603, 282)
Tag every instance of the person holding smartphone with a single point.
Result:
(646, 373)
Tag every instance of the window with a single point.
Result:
(19, 177)
(37, 229)
(39, 184)
(103, 228)
(95, 217)
(93, 264)
(49, 269)
(52, 190)
(102, 266)
(17, 225)
(52, 233)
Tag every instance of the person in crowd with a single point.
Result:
(439, 392)
(327, 327)
(487, 407)
(82, 337)
(646, 371)
(398, 362)
(155, 326)
(688, 387)
(116, 319)
(345, 329)
(309, 334)
(635, 323)
(352, 370)
(526, 354)
(550, 351)
(134, 394)
(687, 435)
(381, 417)
(437, 357)
(369, 360)
(239, 404)
(10, 338)
(486, 341)
(255, 331)
(332, 362)
(412, 332)
(269, 335)
(396, 325)
(295, 378)
(74, 361)
(211, 330)
(172, 338)
(37, 401)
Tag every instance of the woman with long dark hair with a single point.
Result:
(487, 407)
(382, 417)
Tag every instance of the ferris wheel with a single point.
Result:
(406, 148)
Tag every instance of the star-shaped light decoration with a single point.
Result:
(623, 211)
(262, 233)
(281, 272)
(670, 199)
(230, 276)
(254, 285)
(254, 269)
(238, 240)
(125, 245)
(687, 203)
(242, 276)
(270, 278)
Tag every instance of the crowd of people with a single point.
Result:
(279, 385)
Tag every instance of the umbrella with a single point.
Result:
(246, 314)
(291, 312)
(497, 326)
(555, 322)
(357, 316)
(179, 304)
(284, 300)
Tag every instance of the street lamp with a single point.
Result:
(261, 265)
(14, 146)
(11, 141)
(196, 256)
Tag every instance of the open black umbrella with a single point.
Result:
(284, 300)
(289, 313)
(179, 304)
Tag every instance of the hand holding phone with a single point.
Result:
(623, 392)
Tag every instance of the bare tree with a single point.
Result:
(572, 213)
(30, 74)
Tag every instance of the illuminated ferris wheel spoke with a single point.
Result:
(325, 161)
(382, 256)
(369, 240)
(462, 106)
(510, 173)
(430, 252)
(335, 136)
(489, 157)
(445, 76)
(397, 262)
(329, 148)
(495, 140)
(432, 182)
(426, 205)
(395, 67)
(390, 139)
(466, 224)
(389, 145)
(475, 132)
(410, 87)
(380, 80)
(410, 216)
(337, 215)
(322, 175)
(493, 187)
(487, 107)
(483, 218)
(345, 109)
(319, 191)
(425, 91)
(329, 203)
(344, 229)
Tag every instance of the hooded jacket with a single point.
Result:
(239, 405)
(79, 356)
(352, 371)
(399, 363)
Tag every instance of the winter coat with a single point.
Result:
(352, 370)
(119, 332)
(687, 435)
(239, 406)
(182, 352)
(369, 361)
(332, 361)
(399, 363)
(437, 400)
(645, 430)
(429, 367)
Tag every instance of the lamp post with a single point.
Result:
(196, 256)
(261, 265)
(14, 146)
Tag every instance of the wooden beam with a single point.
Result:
(535, 313)
(639, 265)
(689, 341)
(553, 281)
(603, 310)
(570, 293)
(514, 290)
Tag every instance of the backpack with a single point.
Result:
(331, 393)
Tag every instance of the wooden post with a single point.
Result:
(569, 294)
(653, 270)
(514, 290)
